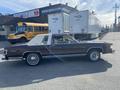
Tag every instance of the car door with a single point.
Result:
(57, 47)
(61, 46)
(78, 48)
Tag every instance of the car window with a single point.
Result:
(63, 39)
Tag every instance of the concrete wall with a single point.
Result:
(7, 30)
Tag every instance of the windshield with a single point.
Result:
(24, 28)
(20, 29)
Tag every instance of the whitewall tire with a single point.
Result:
(33, 59)
(94, 55)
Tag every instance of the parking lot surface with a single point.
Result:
(73, 73)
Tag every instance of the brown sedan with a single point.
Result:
(56, 45)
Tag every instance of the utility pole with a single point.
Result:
(115, 23)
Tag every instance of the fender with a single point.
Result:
(94, 48)
(31, 52)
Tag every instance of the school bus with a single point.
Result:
(25, 31)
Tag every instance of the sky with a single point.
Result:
(103, 8)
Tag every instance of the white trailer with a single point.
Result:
(84, 22)
(74, 22)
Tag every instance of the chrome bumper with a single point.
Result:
(109, 51)
(3, 51)
(12, 58)
(5, 58)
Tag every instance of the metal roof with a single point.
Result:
(10, 20)
(52, 7)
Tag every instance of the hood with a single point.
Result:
(93, 41)
(96, 42)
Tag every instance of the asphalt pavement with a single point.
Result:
(72, 73)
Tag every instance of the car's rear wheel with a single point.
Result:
(33, 59)
(94, 55)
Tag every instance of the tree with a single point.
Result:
(0, 14)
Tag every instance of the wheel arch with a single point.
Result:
(28, 52)
(95, 48)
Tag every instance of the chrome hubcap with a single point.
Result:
(94, 56)
(33, 59)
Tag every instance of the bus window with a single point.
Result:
(36, 29)
(42, 28)
(45, 28)
(30, 29)
(20, 29)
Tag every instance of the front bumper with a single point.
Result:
(5, 58)
(109, 51)
(3, 51)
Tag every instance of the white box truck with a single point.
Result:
(59, 23)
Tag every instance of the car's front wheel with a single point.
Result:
(33, 59)
(94, 55)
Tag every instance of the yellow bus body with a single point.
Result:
(28, 35)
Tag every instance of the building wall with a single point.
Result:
(39, 15)
(7, 30)
(3, 31)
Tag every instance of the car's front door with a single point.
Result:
(62, 45)
(60, 49)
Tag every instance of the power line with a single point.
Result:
(115, 23)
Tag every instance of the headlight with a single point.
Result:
(2, 51)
